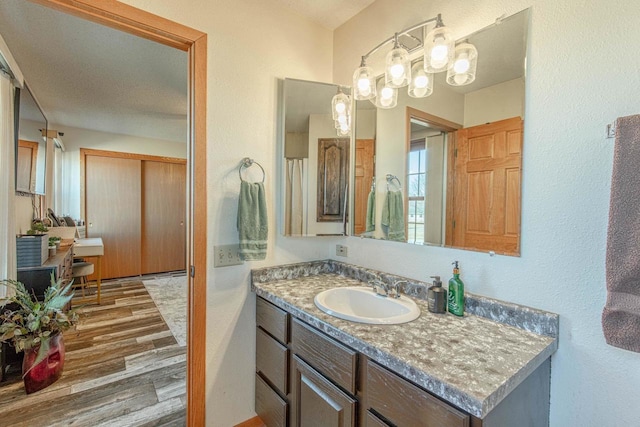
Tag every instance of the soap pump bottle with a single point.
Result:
(455, 297)
(437, 297)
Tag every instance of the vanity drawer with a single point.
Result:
(272, 360)
(273, 320)
(270, 407)
(325, 354)
(404, 404)
(370, 420)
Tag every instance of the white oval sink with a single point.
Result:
(362, 304)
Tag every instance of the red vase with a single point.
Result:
(48, 370)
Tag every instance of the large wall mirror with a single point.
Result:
(31, 146)
(446, 169)
(315, 161)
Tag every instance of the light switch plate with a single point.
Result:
(226, 255)
(342, 250)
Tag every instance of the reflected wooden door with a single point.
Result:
(364, 167)
(113, 212)
(488, 169)
(163, 205)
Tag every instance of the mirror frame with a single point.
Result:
(17, 103)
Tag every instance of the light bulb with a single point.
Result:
(385, 102)
(421, 82)
(462, 64)
(344, 127)
(460, 79)
(386, 93)
(440, 51)
(340, 107)
(342, 119)
(420, 91)
(364, 87)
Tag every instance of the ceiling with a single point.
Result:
(328, 13)
(88, 76)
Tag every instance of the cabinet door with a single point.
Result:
(113, 212)
(317, 402)
(164, 231)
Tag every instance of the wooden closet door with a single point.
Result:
(163, 224)
(113, 212)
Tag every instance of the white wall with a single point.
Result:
(74, 139)
(251, 44)
(578, 80)
(493, 103)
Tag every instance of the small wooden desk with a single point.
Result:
(91, 248)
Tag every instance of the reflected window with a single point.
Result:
(416, 191)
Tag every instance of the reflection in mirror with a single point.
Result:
(31, 146)
(456, 153)
(316, 162)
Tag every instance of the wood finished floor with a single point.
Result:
(123, 367)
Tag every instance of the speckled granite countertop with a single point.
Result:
(471, 362)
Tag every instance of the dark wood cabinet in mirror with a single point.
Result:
(456, 154)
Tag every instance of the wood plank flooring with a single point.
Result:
(123, 367)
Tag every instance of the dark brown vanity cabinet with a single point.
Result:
(306, 378)
(272, 364)
(318, 402)
(391, 400)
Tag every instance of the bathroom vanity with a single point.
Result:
(489, 368)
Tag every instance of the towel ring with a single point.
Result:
(247, 163)
(391, 178)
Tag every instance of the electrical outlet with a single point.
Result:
(226, 255)
(342, 250)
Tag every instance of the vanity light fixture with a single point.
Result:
(421, 84)
(364, 82)
(438, 48)
(387, 95)
(439, 54)
(397, 66)
(464, 67)
(341, 111)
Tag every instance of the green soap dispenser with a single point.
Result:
(455, 297)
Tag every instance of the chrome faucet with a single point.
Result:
(395, 287)
(379, 287)
(384, 290)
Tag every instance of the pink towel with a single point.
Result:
(621, 314)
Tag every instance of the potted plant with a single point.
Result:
(37, 227)
(36, 327)
(55, 241)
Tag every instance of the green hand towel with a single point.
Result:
(393, 216)
(371, 211)
(252, 221)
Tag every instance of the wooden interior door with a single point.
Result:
(364, 167)
(26, 166)
(113, 212)
(488, 169)
(163, 225)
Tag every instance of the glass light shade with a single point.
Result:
(344, 131)
(397, 71)
(364, 83)
(421, 84)
(343, 120)
(439, 48)
(464, 67)
(340, 104)
(387, 96)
